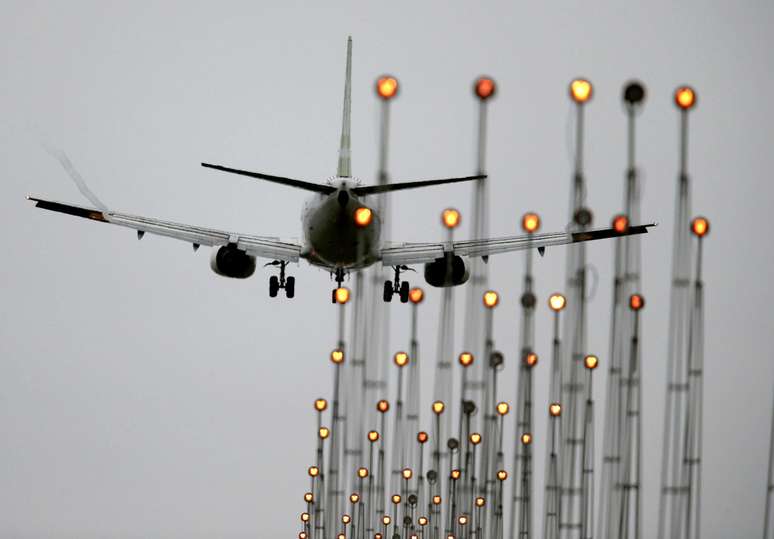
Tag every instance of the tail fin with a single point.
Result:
(344, 169)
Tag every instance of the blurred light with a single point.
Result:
(450, 218)
(463, 519)
(491, 299)
(557, 302)
(437, 499)
(480, 501)
(382, 406)
(308, 497)
(466, 359)
(396, 499)
(580, 90)
(685, 97)
(345, 519)
(455, 474)
(636, 302)
(387, 87)
(475, 438)
(416, 295)
(304, 517)
(386, 520)
(422, 437)
(363, 216)
(700, 226)
(531, 359)
(526, 438)
(342, 295)
(314, 471)
(354, 497)
(438, 407)
(530, 222)
(324, 432)
(555, 409)
(401, 359)
(591, 362)
(362, 472)
(485, 88)
(373, 436)
(502, 475)
(620, 223)
(422, 521)
(320, 405)
(406, 473)
(502, 408)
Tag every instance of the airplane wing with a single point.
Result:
(421, 253)
(259, 246)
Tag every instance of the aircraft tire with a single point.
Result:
(404, 292)
(290, 287)
(273, 286)
(388, 291)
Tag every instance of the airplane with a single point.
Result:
(341, 230)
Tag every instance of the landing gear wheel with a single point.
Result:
(404, 292)
(290, 287)
(388, 291)
(273, 286)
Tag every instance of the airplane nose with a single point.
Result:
(343, 198)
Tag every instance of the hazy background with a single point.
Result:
(143, 396)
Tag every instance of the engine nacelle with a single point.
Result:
(449, 270)
(230, 261)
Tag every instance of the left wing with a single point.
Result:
(420, 253)
(259, 246)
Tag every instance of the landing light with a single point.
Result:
(591, 361)
(450, 218)
(580, 90)
(373, 436)
(466, 359)
(700, 226)
(342, 295)
(685, 97)
(382, 406)
(620, 223)
(387, 87)
(526, 438)
(438, 407)
(503, 408)
(363, 216)
(557, 302)
(320, 405)
(531, 359)
(530, 222)
(491, 299)
(401, 359)
(337, 355)
(555, 409)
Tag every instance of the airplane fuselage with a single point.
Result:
(333, 237)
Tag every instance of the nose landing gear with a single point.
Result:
(275, 283)
(340, 274)
(396, 286)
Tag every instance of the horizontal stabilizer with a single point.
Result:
(300, 184)
(376, 189)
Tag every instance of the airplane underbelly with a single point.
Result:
(336, 241)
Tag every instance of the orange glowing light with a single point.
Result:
(407, 473)
(304, 517)
(342, 295)
(503, 408)
(345, 519)
(416, 295)
(502, 475)
(386, 520)
(422, 437)
(580, 90)
(591, 362)
(401, 359)
(438, 407)
(475, 438)
(531, 359)
(373, 436)
(526, 438)
(314, 471)
(324, 432)
(437, 499)
(463, 519)
(341, 536)
(337, 355)
(450, 218)
(383, 406)
(480, 501)
(636, 302)
(700, 227)
(466, 359)
(485, 88)
(377, 535)
(620, 223)
(455, 474)
(422, 521)
(354, 497)
(363, 216)
(308, 497)
(301, 535)
(557, 302)
(387, 87)
(491, 299)
(685, 97)
(320, 405)
(362, 472)
(555, 409)
(396, 499)
(530, 222)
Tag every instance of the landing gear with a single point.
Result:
(275, 283)
(396, 286)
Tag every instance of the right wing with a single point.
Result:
(422, 253)
(259, 246)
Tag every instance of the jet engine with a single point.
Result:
(230, 261)
(449, 270)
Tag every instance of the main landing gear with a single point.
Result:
(396, 286)
(275, 283)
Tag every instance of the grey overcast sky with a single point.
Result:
(143, 396)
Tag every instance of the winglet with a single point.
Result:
(344, 168)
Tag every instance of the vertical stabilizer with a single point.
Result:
(344, 156)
